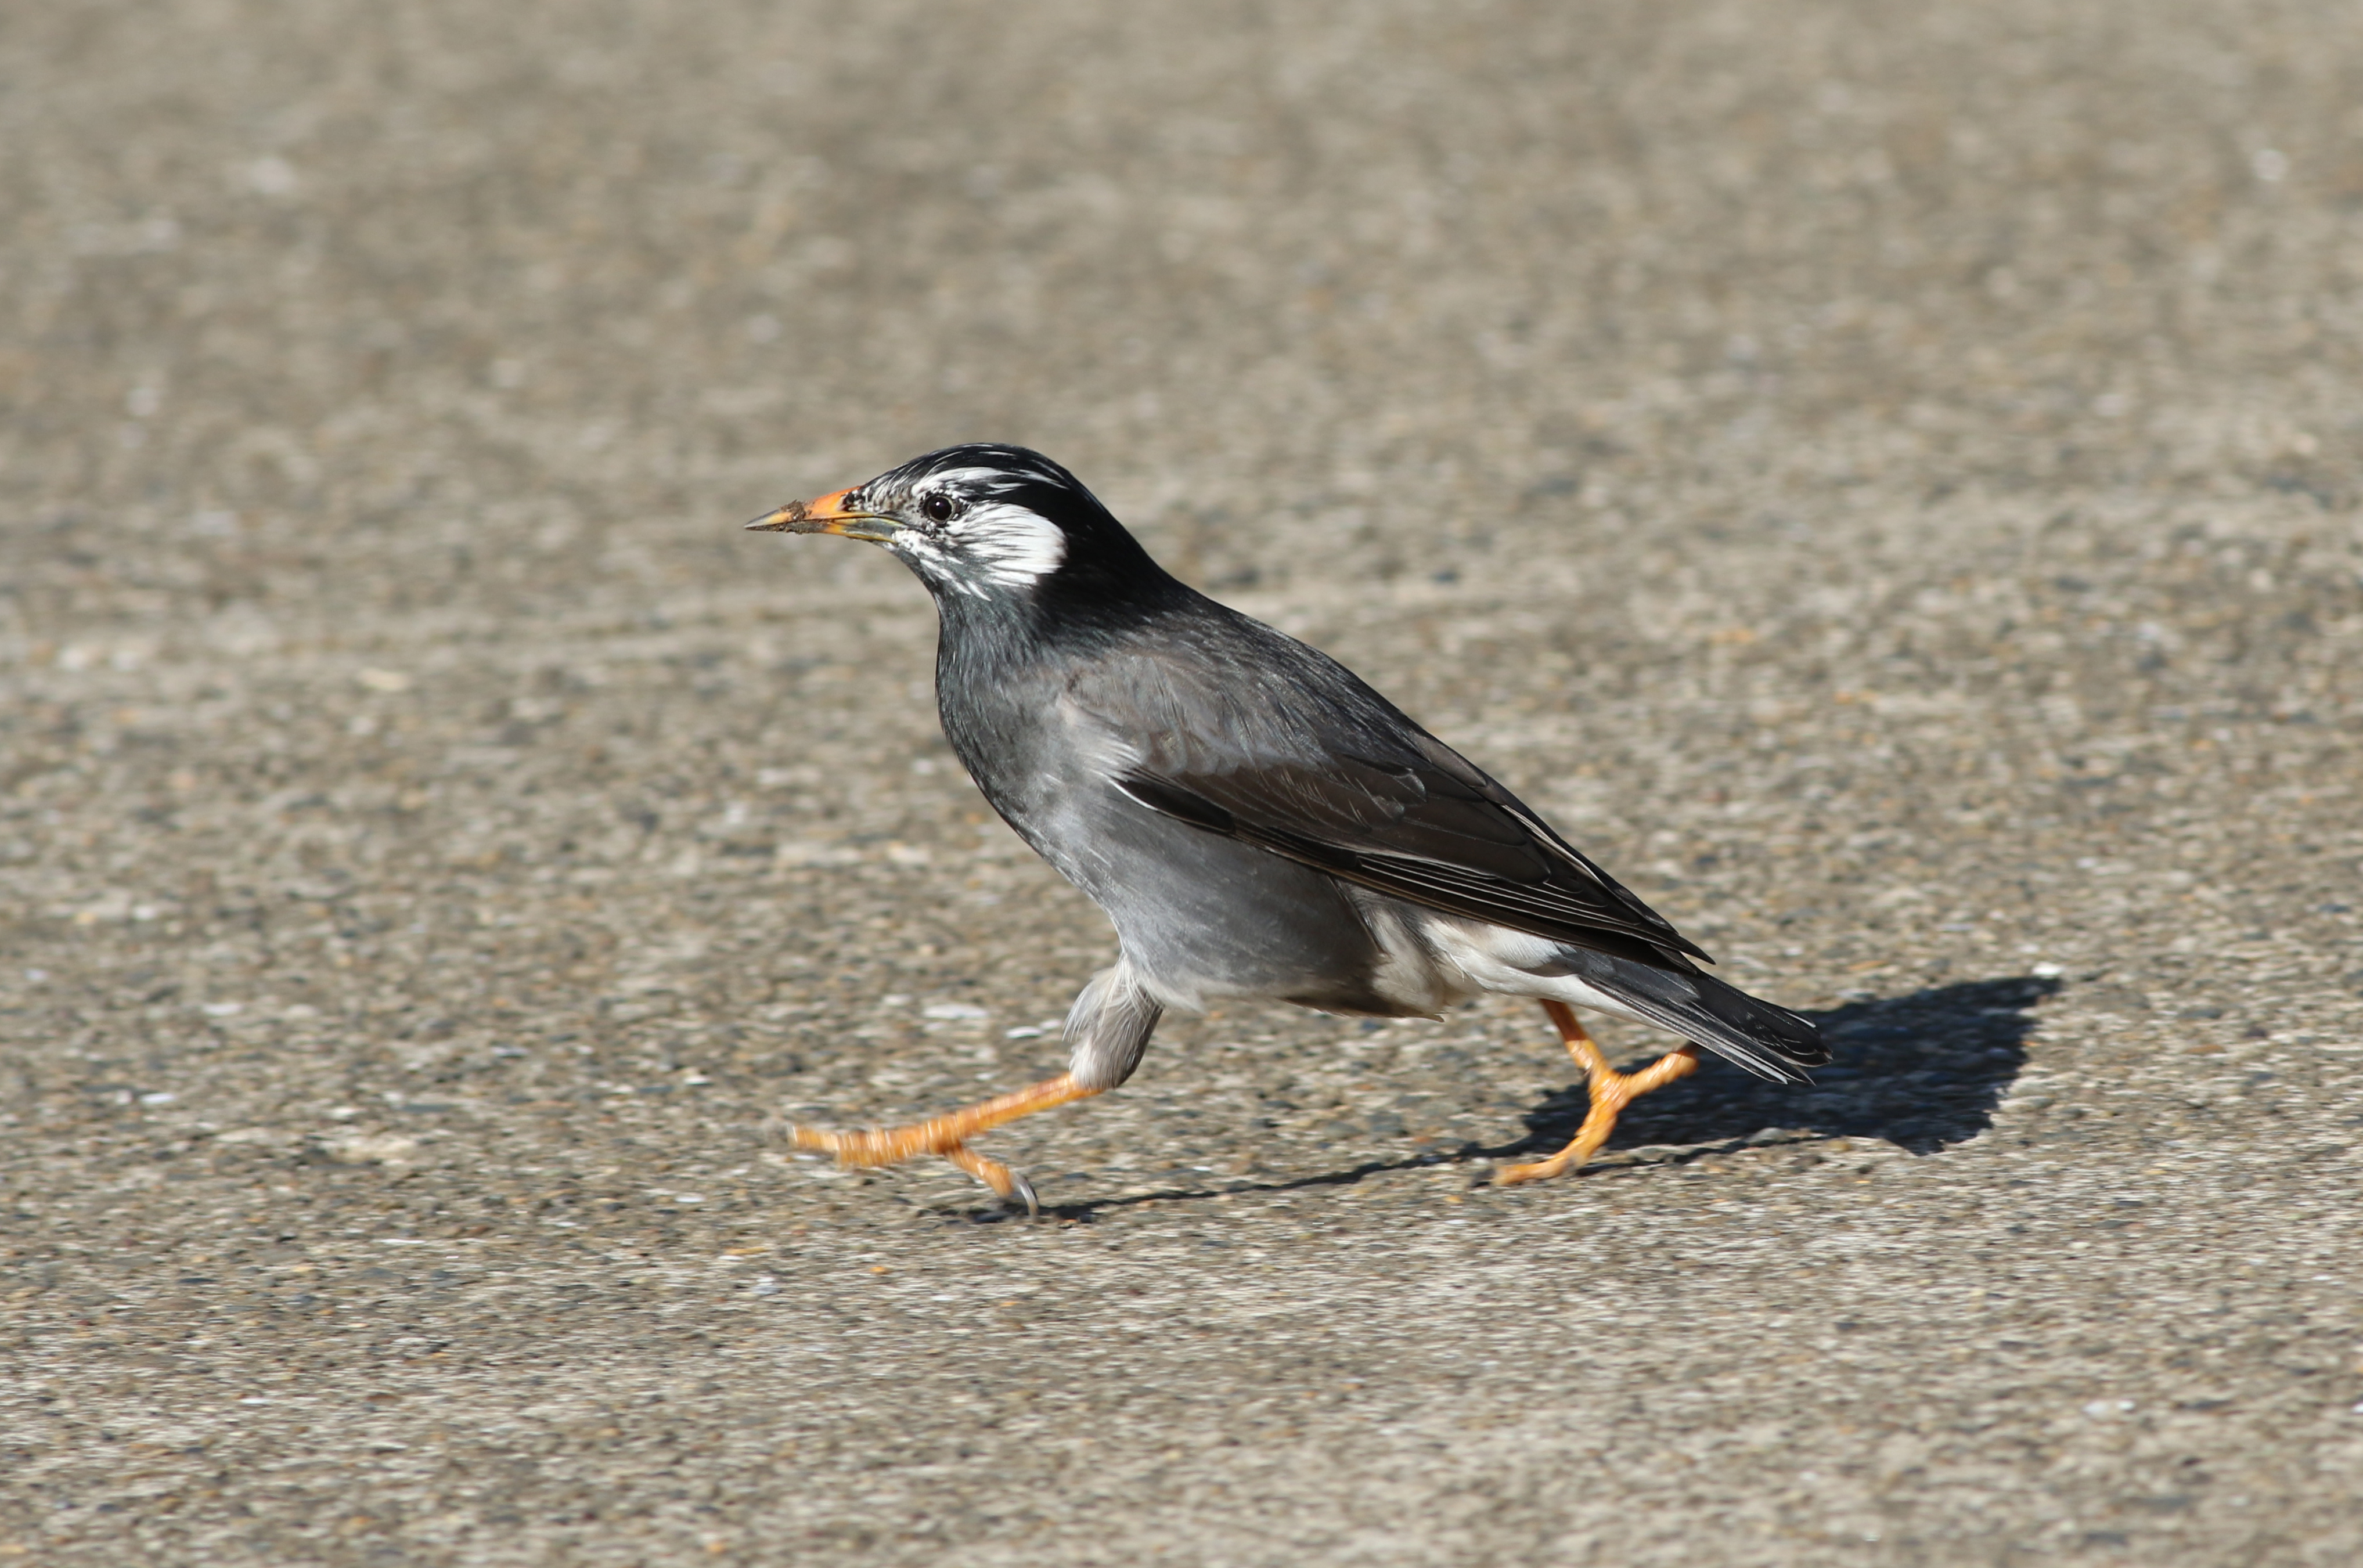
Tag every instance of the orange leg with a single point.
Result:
(1610, 1092)
(947, 1135)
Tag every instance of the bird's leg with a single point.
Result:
(949, 1134)
(1610, 1092)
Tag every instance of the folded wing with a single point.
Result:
(1309, 763)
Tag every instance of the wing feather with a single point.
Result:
(1478, 860)
(1295, 753)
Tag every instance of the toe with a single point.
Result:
(1007, 1184)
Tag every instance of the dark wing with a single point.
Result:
(1420, 833)
(1295, 754)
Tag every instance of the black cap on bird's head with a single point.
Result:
(984, 521)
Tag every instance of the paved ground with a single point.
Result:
(1887, 485)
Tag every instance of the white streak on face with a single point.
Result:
(930, 559)
(985, 482)
(1008, 544)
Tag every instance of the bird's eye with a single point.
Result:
(940, 508)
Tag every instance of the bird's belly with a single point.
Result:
(1203, 917)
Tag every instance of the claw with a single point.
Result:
(1007, 1184)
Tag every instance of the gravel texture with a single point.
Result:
(1885, 480)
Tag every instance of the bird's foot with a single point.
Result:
(1608, 1101)
(874, 1147)
(948, 1136)
(1007, 1185)
(1611, 1091)
(891, 1146)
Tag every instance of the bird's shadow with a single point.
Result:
(1924, 1071)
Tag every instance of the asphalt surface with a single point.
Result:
(1886, 484)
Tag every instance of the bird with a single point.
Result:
(1254, 819)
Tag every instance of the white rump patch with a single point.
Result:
(1456, 957)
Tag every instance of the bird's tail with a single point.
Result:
(1768, 1041)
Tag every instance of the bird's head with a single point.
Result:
(983, 523)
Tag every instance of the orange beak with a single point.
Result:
(829, 515)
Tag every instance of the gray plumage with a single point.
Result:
(1256, 820)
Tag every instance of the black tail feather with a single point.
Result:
(1768, 1041)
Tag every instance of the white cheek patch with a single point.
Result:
(1009, 545)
